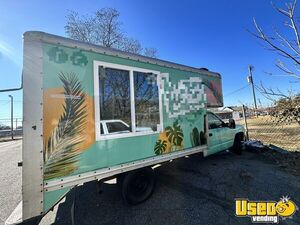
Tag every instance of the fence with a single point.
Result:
(10, 105)
(6, 131)
(265, 128)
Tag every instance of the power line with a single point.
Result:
(233, 92)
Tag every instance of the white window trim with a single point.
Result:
(96, 66)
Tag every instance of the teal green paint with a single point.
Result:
(95, 157)
(188, 123)
(106, 153)
(85, 72)
(52, 69)
(52, 197)
(214, 144)
(222, 138)
(113, 152)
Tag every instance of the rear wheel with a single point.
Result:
(33, 221)
(138, 185)
(237, 145)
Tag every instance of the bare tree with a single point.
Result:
(287, 46)
(108, 27)
(104, 28)
(286, 110)
(131, 45)
(150, 52)
(81, 29)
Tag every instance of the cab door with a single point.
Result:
(226, 137)
(215, 126)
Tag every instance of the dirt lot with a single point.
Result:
(265, 129)
(188, 191)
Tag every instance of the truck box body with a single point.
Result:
(70, 86)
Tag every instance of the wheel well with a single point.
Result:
(240, 134)
(134, 194)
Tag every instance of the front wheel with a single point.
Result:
(237, 145)
(138, 185)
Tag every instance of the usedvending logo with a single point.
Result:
(265, 211)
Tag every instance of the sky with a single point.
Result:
(203, 33)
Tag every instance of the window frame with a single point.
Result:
(218, 118)
(97, 109)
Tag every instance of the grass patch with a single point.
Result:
(267, 131)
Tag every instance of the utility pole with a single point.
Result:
(245, 121)
(12, 116)
(250, 80)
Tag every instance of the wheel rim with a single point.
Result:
(139, 185)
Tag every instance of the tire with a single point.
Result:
(137, 186)
(33, 221)
(237, 144)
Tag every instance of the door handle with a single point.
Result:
(210, 134)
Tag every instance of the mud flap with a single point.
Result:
(73, 206)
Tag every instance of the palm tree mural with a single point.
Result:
(175, 135)
(170, 140)
(62, 147)
(195, 137)
(160, 147)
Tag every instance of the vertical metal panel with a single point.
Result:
(32, 154)
(96, 100)
(132, 100)
(205, 151)
(160, 93)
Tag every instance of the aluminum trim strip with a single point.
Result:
(111, 171)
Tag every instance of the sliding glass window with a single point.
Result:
(146, 101)
(114, 96)
(128, 101)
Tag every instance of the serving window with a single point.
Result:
(114, 95)
(127, 101)
(146, 101)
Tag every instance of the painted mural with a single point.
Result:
(170, 140)
(63, 141)
(198, 138)
(213, 90)
(183, 97)
(70, 147)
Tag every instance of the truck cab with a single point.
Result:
(223, 135)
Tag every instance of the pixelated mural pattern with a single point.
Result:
(183, 97)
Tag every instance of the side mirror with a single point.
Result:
(231, 124)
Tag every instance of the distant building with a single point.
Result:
(229, 112)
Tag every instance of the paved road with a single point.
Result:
(188, 191)
(10, 177)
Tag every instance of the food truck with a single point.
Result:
(93, 113)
